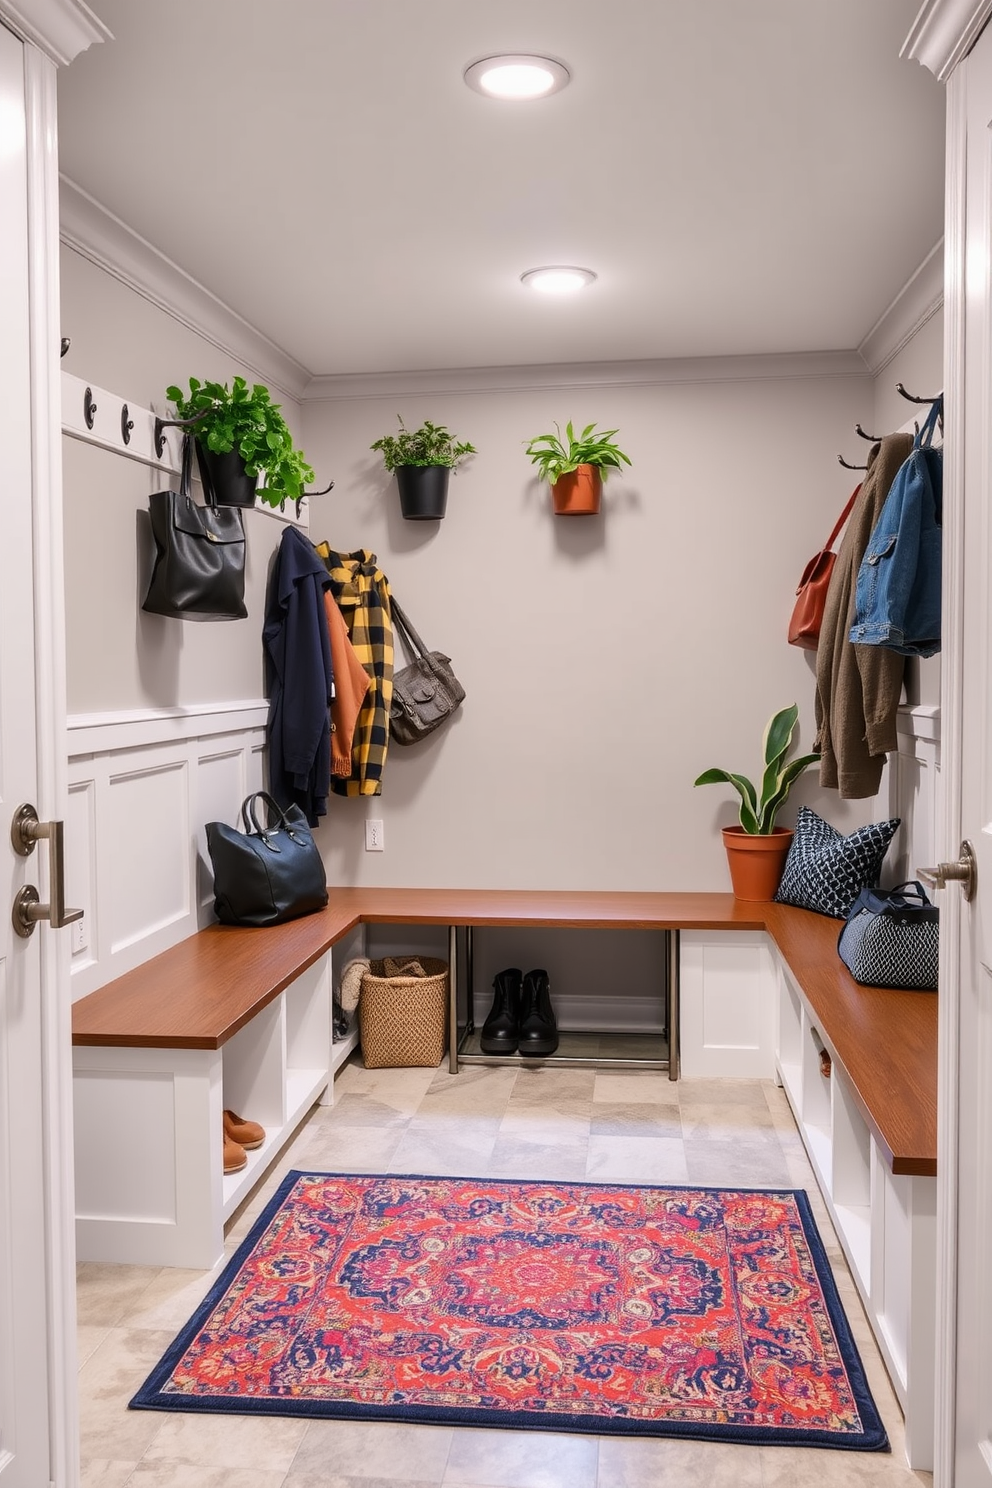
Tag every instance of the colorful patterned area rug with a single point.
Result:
(600, 1308)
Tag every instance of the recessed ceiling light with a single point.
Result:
(557, 279)
(516, 76)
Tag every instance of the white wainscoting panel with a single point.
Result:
(913, 789)
(727, 1001)
(141, 788)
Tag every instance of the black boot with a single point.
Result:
(499, 1032)
(538, 1028)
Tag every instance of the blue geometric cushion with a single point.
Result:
(825, 871)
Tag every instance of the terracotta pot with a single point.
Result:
(756, 863)
(577, 494)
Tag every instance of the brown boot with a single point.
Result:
(235, 1157)
(247, 1134)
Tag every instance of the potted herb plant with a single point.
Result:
(757, 849)
(422, 459)
(576, 467)
(240, 434)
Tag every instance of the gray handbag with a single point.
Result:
(425, 692)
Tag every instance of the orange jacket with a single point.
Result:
(351, 683)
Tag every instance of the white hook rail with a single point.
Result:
(96, 416)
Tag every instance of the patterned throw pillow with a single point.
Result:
(825, 871)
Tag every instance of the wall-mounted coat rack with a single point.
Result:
(905, 429)
(96, 416)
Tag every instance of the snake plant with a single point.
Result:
(759, 809)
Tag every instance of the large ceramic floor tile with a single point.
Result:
(431, 1146)
(521, 1459)
(403, 1089)
(550, 1087)
(353, 1109)
(698, 1092)
(650, 1086)
(105, 1293)
(350, 1149)
(650, 1462)
(637, 1119)
(335, 1480)
(100, 1472)
(88, 1339)
(809, 1467)
(474, 1091)
(261, 1443)
(378, 1450)
(549, 1128)
(636, 1160)
(727, 1123)
(170, 1299)
(515, 1157)
(736, 1164)
(163, 1473)
(107, 1381)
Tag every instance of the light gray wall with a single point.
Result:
(608, 660)
(117, 657)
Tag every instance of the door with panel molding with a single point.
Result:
(26, 1331)
(965, 1158)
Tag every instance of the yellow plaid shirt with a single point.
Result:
(361, 590)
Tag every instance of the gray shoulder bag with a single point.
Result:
(425, 692)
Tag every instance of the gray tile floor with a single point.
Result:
(540, 1123)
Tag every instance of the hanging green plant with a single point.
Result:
(246, 419)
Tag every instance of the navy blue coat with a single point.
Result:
(300, 678)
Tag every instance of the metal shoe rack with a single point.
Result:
(463, 1041)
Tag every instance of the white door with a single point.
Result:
(965, 1156)
(32, 1314)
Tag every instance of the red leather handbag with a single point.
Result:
(811, 596)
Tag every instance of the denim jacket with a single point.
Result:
(897, 596)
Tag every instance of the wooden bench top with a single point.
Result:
(199, 993)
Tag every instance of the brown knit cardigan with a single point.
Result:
(858, 688)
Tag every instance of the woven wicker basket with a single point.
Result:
(404, 1019)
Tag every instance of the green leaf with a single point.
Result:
(772, 804)
(744, 788)
(778, 733)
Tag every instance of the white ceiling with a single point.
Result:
(743, 177)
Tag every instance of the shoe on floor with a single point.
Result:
(247, 1134)
(499, 1032)
(538, 1033)
(235, 1157)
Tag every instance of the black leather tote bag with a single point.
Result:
(265, 875)
(199, 571)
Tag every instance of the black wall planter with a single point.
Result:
(423, 491)
(225, 482)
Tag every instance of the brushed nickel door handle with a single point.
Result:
(25, 831)
(964, 871)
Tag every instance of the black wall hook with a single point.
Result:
(65, 346)
(871, 438)
(162, 424)
(89, 408)
(848, 466)
(127, 424)
(910, 397)
(306, 494)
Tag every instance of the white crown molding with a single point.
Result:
(944, 32)
(60, 28)
(90, 230)
(341, 388)
(920, 298)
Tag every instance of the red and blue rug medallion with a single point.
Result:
(585, 1307)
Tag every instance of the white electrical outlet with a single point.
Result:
(80, 940)
(374, 838)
